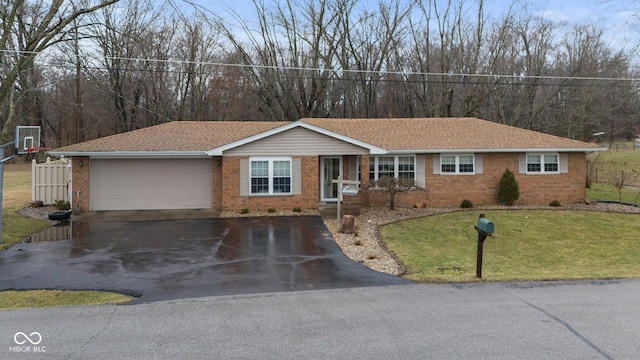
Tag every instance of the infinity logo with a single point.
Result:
(27, 338)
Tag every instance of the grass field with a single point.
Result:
(17, 194)
(528, 245)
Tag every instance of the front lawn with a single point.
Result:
(527, 245)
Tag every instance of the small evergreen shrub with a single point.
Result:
(271, 210)
(297, 209)
(466, 204)
(555, 203)
(62, 205)
(508, 189)
(244, 211)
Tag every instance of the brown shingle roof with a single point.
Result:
(391, 134)
(176, 136)
(443, 134)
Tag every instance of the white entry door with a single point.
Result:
(330, 169)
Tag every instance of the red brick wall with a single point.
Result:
(216, 183)
(440, 189)
(308, 199)
(80, 183)
(482, 188)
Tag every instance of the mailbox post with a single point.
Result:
(485, 228)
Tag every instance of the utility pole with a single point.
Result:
(78, 102)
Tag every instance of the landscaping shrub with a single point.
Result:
(62, 205)
(555, 203)
(244, 211)
(296, 209)
(508, 189)
(466, 204)
(271, 210)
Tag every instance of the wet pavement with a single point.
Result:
(172, 259)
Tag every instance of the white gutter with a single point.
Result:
(132, 154)
(451, 151)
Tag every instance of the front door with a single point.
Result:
(330, 169)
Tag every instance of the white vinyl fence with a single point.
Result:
(51, 181)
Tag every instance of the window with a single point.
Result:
(401, 167)
(406, 167)
(270, 176)
(457, 164)
(543, 163)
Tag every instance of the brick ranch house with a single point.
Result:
(231, 165)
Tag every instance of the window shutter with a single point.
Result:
(479, 164)
(564, 163)
(244, 177)
(353, 167)
(436, 163)
(420, 171)
(523, 164)
(296, 171)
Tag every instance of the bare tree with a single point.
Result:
(392, 186)
(42, 25)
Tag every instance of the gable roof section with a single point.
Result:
(372, 148)
(434, 135)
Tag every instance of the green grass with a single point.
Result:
(45, 298)
(528, 245)
(602, 192)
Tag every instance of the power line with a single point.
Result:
(404, 73)
(376, 72)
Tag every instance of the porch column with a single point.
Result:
(364, 180)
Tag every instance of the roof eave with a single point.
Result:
(131, 154)
(513, 150)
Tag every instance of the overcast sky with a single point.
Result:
(614, 15)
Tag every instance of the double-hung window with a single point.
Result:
(401, 167)
(543, 163)
(457, 164)
(270, 176)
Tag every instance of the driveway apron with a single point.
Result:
(160, 260)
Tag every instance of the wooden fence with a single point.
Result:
(51, 181)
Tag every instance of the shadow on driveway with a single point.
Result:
(173, 259)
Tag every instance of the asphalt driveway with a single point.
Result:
(172, 259)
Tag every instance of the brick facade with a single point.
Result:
(482, 189)
(232, 200)
(439, 190)
(80, 183)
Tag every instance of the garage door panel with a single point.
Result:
(144, 184)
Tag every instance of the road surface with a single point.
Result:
(581, 320)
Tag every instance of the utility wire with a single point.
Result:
(404, 73)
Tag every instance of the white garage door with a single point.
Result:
(147, 184)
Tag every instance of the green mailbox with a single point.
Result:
(485, 226)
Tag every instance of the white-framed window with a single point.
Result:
(457, 164)
(270, 176)
(543, 163)
(399, 166)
